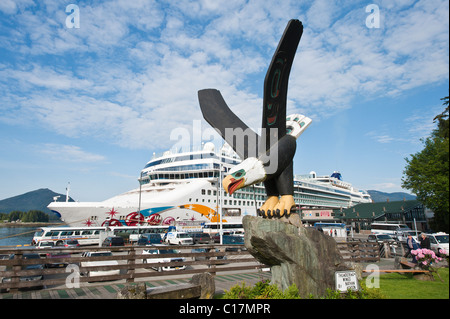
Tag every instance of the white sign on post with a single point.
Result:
(346, 280)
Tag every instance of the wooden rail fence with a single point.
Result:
(359, 251)
(14, 272)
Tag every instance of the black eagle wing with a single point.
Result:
(276, 85)
(233, 130)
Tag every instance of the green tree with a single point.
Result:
(427, 172)
(15, 215)
(33, 216)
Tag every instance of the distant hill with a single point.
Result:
(38, 199)
(378, 196)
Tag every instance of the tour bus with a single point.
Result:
(393, 229)
(213, 228)
(89, 235)
(332, 229)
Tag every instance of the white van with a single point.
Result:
(438, 241)
(392, 229)
(179, 238)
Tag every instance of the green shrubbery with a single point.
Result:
(265, 290)
(261, 290)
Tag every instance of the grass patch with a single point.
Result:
(404, 286)
(392, 286)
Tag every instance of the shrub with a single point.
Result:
(261, 290)
(264, 290)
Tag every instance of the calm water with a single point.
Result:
(12, 236)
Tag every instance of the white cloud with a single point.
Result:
(131, 73)
(388, 186)
(69, 153)
(44, 77)
(333, 64)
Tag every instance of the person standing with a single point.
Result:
(425, 241)
(410, 245)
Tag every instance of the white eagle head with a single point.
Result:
(248, 172)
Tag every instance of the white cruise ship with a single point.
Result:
(181, 187)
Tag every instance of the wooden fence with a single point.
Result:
(359, 251)
(131, 264)
(363, 250)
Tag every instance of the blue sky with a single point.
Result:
(90, 105)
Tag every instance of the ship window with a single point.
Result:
(203, 192)
(209, 192)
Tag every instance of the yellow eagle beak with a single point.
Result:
(231, 184)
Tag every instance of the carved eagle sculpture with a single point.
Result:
(266, 158)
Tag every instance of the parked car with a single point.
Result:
(438, 241)
(204, 250)
(163, 251)
(58, 264)
(229, 238)
(94, 273)
(45, 244)
(179, 238)
(382, 238)
(216, 236)
(71, 243)
(379, 238)
(201, 238)
(233, 240)
(403, 236)
(149, 239)
(113, 241)
(27, 267)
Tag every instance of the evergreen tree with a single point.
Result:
(427, 172)
(15, 215)
(34, 216)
